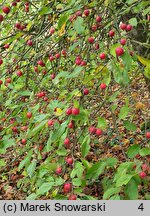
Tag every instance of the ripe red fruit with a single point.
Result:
(85, 91)
(123, 26)
(96, 46)
(72, 197)
(1, 82)
(50, 123)
(148, 135)
(19, 73)
(119, 51)
(58, 170)
(92, 130)
(29, 43)
(102, 56)
(6, 46)
(67, 141)
(23, 141)
(41, 147)
(98, 19)
(70, 125)
(145, 167)
(6, 9)
(29, 115)
(51, 58)
(103, 86)
(75, 111)
(15, 129)
(78, 13)
(69, 111)
(111, 33)
(142, 175)
(8, 80)
(83, 63)
(53, 76)
(123, 41)
(69, 160)
(98, 132)
(91, 39)
(1, 61)
(129, 27)
(1, 17)
(94, 27)
(14, 4)
(57, 55)
(41, 63)
(63, 52)
(52, 30)
(78, 61)
(67, 187)
(86, 12)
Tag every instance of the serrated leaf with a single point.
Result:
(132, 190)
(85, 147)
(45, 10)
(133, 21)
(111, 162)
(123, 112)
(44, 188)
(79, 25)
(62, 20)
(26, 160)
(96, 170)
(133, 151)
(123, 180)
(32, 196)
(76, 182)
(145, 152)
(31, 168)
(102, 123)
(130, 126)
(111, 191)
(37, 129)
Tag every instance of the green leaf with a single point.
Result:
(85, 147)
(32, 196)
(111, 191)
(62, 20)
(133, 151)
(45, 10)
(76, 72)
(37, 129)
(123, 112)
(49, 142)
(2, 163)
(113, 48)
(122, 170)
(26, 160)
(61, 152)
(115, 197)
(132, 190)
(76, 182)
(96, 170)
(102, 123)
(145, 152)
(130, 126)
(31, 168)
(123, 180)
(79, 25)
(133, 21)
(111, 162)
(44, 188)
(78, 170)
(113, 96)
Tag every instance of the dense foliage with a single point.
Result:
(72, 125)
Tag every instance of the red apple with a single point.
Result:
(1, 17)
(98, 19)
(119, 51)
(57, 55)
(69, 111)
(69, 160)
(6, 9)
(58, 170)
(86, 12)
(67, 187)
(148, 135)
(23, 141)
(91, 39)
(29, 43)
(70, 125)
(92, 130)
(142, 175)
(75, 111)
(85, 91)
(103, 86)
(102, 56)
(50, 123)
(1, 61)
(123, 41)
(19, 73)
(129, 27)
(98, 132)
(72, 197)
(123, 26)
(1, 82)
(41, 63)
(29, 115)
(111, 33)
(67, 141)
